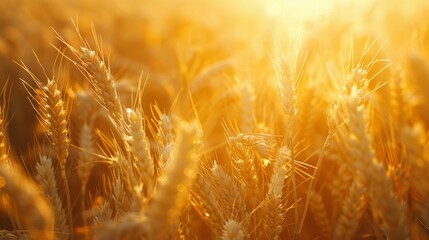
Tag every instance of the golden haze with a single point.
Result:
(205, 119)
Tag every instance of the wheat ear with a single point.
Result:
(351, 212)
(400, 108)
(165, 139)
(233, 230)
(33, 210)
(414, 138)
(247, 152)
(273, 207)
(244, 165)
(128, 226)
(227, 193)
(4, 149)
(373, 173)
(86, 161)
(333, 125)
(318, 209)
(95, 68)
(120, 197)
(6, 235)
(206, 204)
(46, 178)
(102, 214)
(273, 217)
(341, 184)
(86, 158)
(172, 193)
(392, 211)
(53, 116)
(103, 84)
(140, 149)
(286, 77)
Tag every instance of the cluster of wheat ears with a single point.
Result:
(217, 133)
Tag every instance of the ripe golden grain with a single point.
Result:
(322, 134)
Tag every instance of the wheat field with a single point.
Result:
(207, 119)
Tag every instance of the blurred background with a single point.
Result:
(171, 43)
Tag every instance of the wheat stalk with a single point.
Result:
(6, 235)
(102, 214)
(318, 208)
(140, 149)
(414, 138)
(121, 198)
(33, 210)
(273, 207)
(227, 193)
(233, 230)
(373, 173)
(46, 179)
(286, 80)
(273, 217)
(53, 116)
(103, 83)
(165, 139)
(179, 174)
(206, 204)
(128, 226)
(86, 158)
(352, 211)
